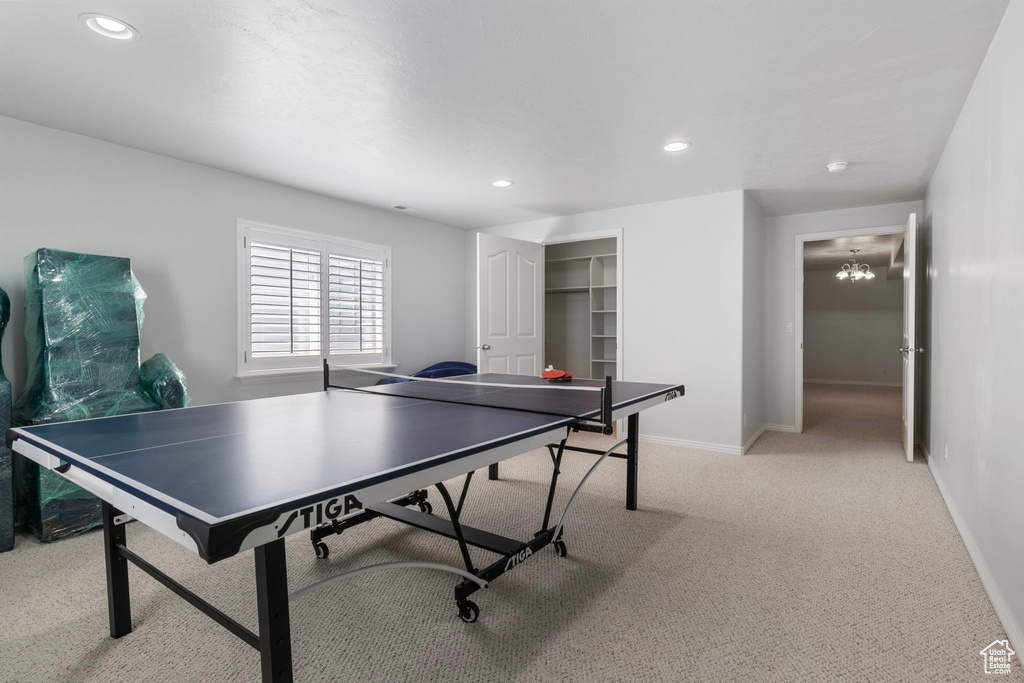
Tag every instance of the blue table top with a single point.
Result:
(220, 461)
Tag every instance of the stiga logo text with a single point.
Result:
(332, 509)
(517, 558)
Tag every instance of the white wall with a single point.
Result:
(780, 286)
(753, 418)
(176, 221)
(683, 306)
(974, 331)
(852, 330)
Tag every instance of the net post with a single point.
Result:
(327, 375)
(606, 405)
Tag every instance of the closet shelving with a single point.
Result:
(581, 306)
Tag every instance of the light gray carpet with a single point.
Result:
(816, 557)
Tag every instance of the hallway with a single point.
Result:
(849, 411)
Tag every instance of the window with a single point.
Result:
(305, 297)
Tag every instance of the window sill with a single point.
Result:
(298, 374)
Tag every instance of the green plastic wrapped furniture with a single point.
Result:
(6, 486)
(83, 316)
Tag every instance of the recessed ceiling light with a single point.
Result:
(837, 167)
(502, 183)
(677, 146)
(109, 27)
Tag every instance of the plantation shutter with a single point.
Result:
(356, 304)
(285, 304)
(283, 314)
(304, 298)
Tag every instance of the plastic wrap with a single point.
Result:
(51, 506)
(83, 317)
(82, 323)
(164, 382)
(6, 464)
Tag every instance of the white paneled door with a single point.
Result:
(510, 319)
(909, 348)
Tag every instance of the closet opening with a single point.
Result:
(583, 306)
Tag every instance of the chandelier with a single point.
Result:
(854, 271)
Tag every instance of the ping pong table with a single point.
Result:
(227, 478)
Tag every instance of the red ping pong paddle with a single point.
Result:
(553, 375)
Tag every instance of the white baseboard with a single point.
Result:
(1010, 625)
(781, 428)
(850, 382)
(701, 445)
(753, 438)
(720, 447)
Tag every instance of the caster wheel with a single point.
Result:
(468, 611)
(560, 549)
(426, 508)
(322, 551)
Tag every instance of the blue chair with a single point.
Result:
(448, 368)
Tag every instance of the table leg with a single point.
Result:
(632, 458)
(272, 602)
(492, 472)
(119, 602)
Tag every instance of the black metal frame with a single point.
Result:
(511, 552)
(631, 456)
(336, 526)
(274, 638)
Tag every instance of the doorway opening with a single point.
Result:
(853, 320)
(554, 301)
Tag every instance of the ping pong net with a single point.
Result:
(588, 403)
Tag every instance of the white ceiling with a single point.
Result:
(424, 102)
(875, 250)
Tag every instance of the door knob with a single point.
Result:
(904, 349)
(485, 347)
